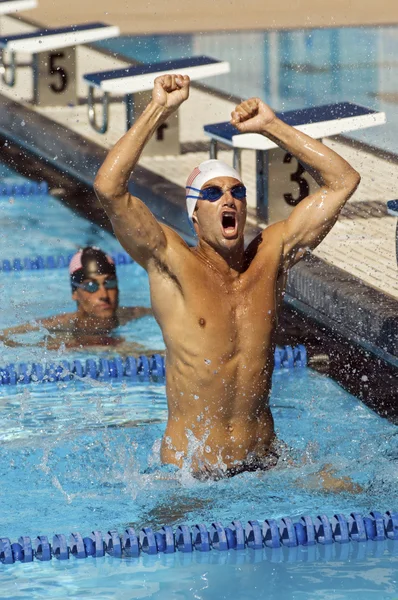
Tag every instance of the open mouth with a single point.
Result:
(229, 223)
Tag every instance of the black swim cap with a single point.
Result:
(90, 261)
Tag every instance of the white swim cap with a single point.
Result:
(209, 169)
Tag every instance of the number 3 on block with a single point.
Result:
(296, 177)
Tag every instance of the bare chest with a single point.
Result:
(208, 308)
(231, 307)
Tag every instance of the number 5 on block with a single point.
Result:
(55, 77)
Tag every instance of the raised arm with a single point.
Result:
(135, 226)
(314, 217)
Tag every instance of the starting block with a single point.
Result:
(53, 53)
(281, 181)
(8, 7)
(135, 84)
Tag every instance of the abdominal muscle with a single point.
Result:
(218, 418)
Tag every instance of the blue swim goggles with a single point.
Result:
(214, 192)
(93, 286)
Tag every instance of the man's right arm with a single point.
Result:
(50, 323)
(135, 226)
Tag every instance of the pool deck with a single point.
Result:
(359, 251)
(174, 16)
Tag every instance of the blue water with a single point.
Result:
(330, 573)
(294, 69)
(89, 454)
(86, 456)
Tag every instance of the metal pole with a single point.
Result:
(237, 160)
(262, 184)
(213, 148)
(129, 100)
(92, 116)
(8, 72)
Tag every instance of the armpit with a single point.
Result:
(165, 270)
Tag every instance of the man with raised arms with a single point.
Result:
(217, 303)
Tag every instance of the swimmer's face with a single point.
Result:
(101, 304)
(221, 223)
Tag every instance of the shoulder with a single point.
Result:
(173, 238)
(270, 240)
(59, 321)
(129, 313)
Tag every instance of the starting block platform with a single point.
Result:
(134, 81)
(53, 58)
(277, 172)
(8, 7)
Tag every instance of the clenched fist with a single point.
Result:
(252, 116)
(170, 91)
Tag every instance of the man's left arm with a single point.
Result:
(314, 217)
(130, 313)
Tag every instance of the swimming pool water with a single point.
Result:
(368, 570)
(84, 456)
(294, 69)
(89, 454)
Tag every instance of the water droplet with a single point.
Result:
(195, 397)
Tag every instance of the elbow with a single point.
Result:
(353, 181)
(106, 193)
(347, 183)
(102, 187)
(357, 178)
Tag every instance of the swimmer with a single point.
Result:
(95, 290)
(217, 303)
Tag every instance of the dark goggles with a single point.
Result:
(214, 192)
(93, 286)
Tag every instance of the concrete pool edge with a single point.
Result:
(366, 314)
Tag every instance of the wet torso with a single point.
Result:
(218, 327)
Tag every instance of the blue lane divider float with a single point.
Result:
(141, 368)
(271, 533)
(25, 188)
(39, 263)
(135, 368)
